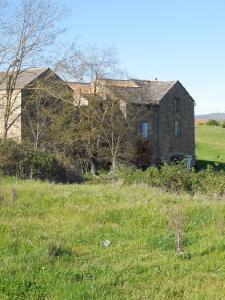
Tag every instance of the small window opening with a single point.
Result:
(177, 128)
(177, 105)
(145, 129)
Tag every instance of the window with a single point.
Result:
(101, 106)
(177, 104)
(177, 128)
(145, 129)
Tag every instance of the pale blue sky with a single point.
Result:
(167, 39)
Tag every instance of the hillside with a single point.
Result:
(213, 116)
(51, 247)
(210, 143)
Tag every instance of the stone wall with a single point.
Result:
(169, 144)
(162, 144)
(145, 149)
(15, 130)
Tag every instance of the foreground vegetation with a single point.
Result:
(51, 246)
(158, 234)
(177, 178)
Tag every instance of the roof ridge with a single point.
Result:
(77, 82)
(133, 79)
(111, 79)
(148, 80)
(34, 68)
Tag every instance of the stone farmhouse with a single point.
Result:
(160, 114)
(32, 84)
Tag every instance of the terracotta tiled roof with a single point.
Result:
(83, 88)
(120, 83)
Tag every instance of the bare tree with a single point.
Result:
(92, 65)
(3, 42)
(28, 34)
(177, 223)
(116, 133)
(94, 131)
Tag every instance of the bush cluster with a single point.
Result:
(177, 178)
(212, 123)
(21, 161)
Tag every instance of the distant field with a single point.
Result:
(50, 245)
(210, 143)
(200, 121)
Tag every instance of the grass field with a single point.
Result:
(51, 235)
(51, 239)
(210, 143)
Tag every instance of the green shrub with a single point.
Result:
(22, 161)
(223, 124)
(177, 178)
(212, 123)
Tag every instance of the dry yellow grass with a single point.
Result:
(200, 121)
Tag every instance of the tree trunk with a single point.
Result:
(114, 165)
(5, 133)
(93, 166)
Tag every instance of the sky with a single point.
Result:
(169, 39)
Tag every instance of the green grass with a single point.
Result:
(210, 143)
(50, 245)
(141, 262)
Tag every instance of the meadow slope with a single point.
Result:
(51, 235)
(210, 143)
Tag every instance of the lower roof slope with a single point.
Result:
(24, 78)
(154, 91)
(144, 91)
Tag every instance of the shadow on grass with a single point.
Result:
(204, 164)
